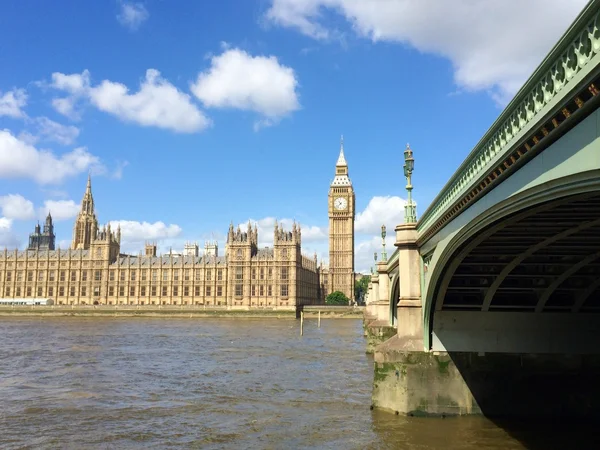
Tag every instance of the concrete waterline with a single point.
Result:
(178, 312)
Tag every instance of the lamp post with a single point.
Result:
(375, 259)
(410, 213)
(383, 253)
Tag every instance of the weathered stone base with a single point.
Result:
(420, 383)
(377, 332)
(495, 385)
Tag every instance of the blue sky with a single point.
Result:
(191, 114)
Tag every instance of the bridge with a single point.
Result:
(495, 290)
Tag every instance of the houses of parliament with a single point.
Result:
(93, 271)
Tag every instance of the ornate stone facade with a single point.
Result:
(340, 276)
(94, 271)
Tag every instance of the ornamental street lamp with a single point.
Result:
(383, 253)
(375, 259)
(410, 213)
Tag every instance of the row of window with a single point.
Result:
(152, 291)
(239, 275)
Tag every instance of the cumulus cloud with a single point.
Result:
(132, 15)
(12, 103)
(137, 232)
(118, 172)
(364, 252)
(476, 37)
(239, 80)
(380, 210)
(8, 238)
(388, 211)
(60, 209)
(19, 159)
(67, 107)
(266, 226)
(15, 206)
(75, 83)
(157, 102)
(53, 131)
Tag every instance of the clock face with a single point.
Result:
(340, 203)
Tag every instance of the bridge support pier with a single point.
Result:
(410, 311)
(492, 384)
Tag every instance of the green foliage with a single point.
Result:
(337, 298)
(360, 288)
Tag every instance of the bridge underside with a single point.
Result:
(529, 283)
(548, 261)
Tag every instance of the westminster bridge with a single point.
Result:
(494, 292)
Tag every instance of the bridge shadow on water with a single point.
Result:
(543, 401)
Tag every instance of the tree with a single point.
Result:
(337, 298)
(360, 288)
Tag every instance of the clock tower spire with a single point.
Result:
(341, 229)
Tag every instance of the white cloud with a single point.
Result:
(136, 232)
(118, 172)
(132, 15)
(12, 102)
(15, 206)
(76, 83)
(54, 131)
(21, 160)
(8, 238)
(388, 211)
(28, 138)
(364, 252)
(253, 83)
(157, 103)
(66, 107)
(479, 38)
(266, 227)
(314, 238)
(60, 209)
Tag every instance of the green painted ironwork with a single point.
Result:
(410, 210)
(575, 56)
(383, 252)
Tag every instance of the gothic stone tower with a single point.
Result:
(45, 240)
(86, 224)
(341, 229)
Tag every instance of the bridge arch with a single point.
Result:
(537, 252)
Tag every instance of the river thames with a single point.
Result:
(104, 383)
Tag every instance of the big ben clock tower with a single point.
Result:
(341, 230)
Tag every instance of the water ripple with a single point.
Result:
(98, 383)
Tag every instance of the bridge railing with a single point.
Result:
(573, 58)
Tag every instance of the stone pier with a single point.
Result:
(377, 323)
(492, 384)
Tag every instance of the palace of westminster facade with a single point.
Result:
(93, 271)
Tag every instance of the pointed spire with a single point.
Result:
(87, 203)
(341, 159)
